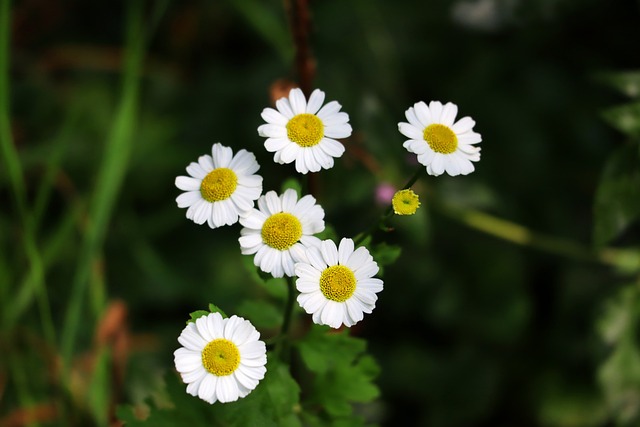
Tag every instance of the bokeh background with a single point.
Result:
(472, 329)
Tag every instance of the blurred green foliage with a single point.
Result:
(470, 330)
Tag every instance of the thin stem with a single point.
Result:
(388, 213)
(515, 233)
(111, 175)
(281, 341)
(300, 19)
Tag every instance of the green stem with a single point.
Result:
(388, 213)
(16, 177)
(515, 233)
(281, 341)
(110, 177)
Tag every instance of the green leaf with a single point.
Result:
(625, 118)
(292, 183)
(196, 315)
(617, 200)
(200, 313)
(274, 403)
(627, 83)
(343, 373)
(215, 309)
(262, 314)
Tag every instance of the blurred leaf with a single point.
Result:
(261, 313)
(620, 374)
(265, 21)
(99, 394)
(627, 83)
(385, 254)
(343, 373)
(272, 404)
(617, 200)
(293, 183)
(625, 118)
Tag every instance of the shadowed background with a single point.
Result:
(470, 330)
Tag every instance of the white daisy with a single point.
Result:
(221, 359)
(280, 230)
(220, 187)
(304, 132)
(441, 144)
(336, 284)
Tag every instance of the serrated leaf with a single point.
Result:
(343, 373)
(627, 83)
(261, 313)
(215, 309)
(196, 315)
(617, 201)
(273, 403)
(385, 254)
(323, 348)
(625, 118)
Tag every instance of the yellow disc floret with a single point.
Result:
(281, 231)
(337, 283)
(440, 138)
(405, 202)
(221, 357)
(306, 130)
(218, 185)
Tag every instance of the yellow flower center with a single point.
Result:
(306, 130)
(281, 231)
(337, 283)
(440, 138)
(219, 184)
(405, 202)
(221, 357)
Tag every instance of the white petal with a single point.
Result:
(206, 162)
(196, 171)
(423, 114)
(328, 110)
(332, 147)
(315, 101)
(436, 111)
(289, 200)
(274, 117)
(186, 183)
(410, 131)
(463, 125)
(410, 114)
(329, 252)
(185, 200)
(338, 131)
(273, 131)
(274, 144)
(207, 391)
(449, 113)
(436, 167)
(345, 250)
(297, 101)
(284, 107)
(227, 389)
(359, 258)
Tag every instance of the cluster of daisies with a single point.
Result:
(223, 359)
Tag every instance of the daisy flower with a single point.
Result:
(405, 202)
(336, 284)
(280, 230)
(220, 359)
(220, 187)
(441, 144)
(303, 132)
